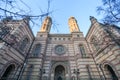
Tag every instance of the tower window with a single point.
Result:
(68, 38)
(41, 35)
(44, 26)
(36, 50)
(50, 38)
(95, 43)
(78, 35)
(24, 44)
(82, 51)
(59, 38)
(55, 38)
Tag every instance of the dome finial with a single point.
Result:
(93, 19)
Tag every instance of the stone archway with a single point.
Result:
(8, 72)
(59, 73)
(66, 69)
(110, 74)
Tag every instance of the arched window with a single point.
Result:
(24, 44)
(8, 74)
(110, 74)
(73, 77)
(82, 50)
(29, 72)
(36, 50)
(95, 43)
(89, 72)
(59, 73)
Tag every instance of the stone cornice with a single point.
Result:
(60, 35)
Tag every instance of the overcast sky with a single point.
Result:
(62, 10)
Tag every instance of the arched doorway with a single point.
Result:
(59, 73)
(110, 73)
(8, 72)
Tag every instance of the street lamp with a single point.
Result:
(42, 71)
(76, 71)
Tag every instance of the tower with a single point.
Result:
(46, 25)
(72, 22)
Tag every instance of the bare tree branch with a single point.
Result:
(111, 11)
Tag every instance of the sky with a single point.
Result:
(62, 10)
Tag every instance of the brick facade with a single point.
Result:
(94, 57)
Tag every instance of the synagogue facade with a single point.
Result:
(48, 56)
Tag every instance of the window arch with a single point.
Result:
(36, 50)
(110, 74)
(82, 50)
(94, 42)
(9, 72)
(89, 71)
(24, 44)
(73, 77)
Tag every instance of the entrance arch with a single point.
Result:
(8, 72)
(59, 73)
(110, 72)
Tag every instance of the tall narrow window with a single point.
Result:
(82, 51)
(94, 41)
(36, 50)
(23, 44)
(89, 72)
(29, 73)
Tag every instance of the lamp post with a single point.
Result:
(76, 71)
(42, 71)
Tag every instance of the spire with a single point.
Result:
(93, 19)
(46, 25)
(72, 22)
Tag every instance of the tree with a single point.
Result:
(18, 9)
(10, 9)
(111, 11)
